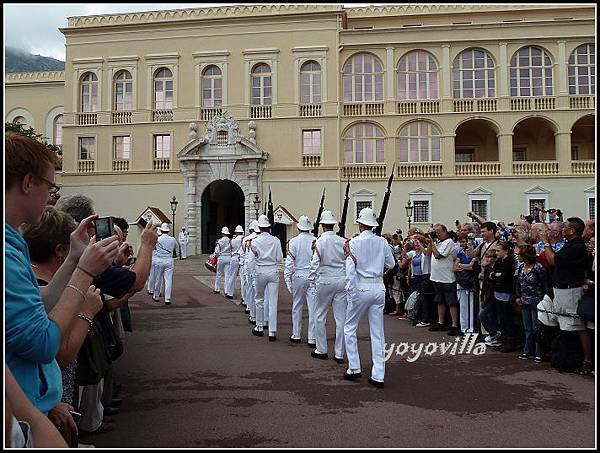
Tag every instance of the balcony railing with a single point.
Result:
(121, 117)
(162, 115)
(581, 102)
(412, 107)
(311, 160)
(541, 103)
(535, 168)
(583, 167)
(475, 105)
(161, 164)
(352, 109)
(85, 166)
(121, 165)
(364, 172)
(87, 119)
(420, 170)
(310, 110)
(374, 109)
(207, 113)
(477, 169)
(260, 111)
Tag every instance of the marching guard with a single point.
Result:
(184, 238)
(223, 254)
(234, 265)
(297, 269)
(367, 256)
(247, 266)
(163, 271)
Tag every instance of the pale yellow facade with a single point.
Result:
(551, 136)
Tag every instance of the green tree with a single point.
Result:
(30, 132)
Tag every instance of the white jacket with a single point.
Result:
(267, 251)
(329, 260)
(299, 254)
(223, 247)
(368, 255)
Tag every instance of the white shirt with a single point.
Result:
(441, 269)
(369, 254)
(165, 246)
(223, 247)
(183, 238)
(236, 245)
(329, 259)
(246, 255)
(298, 256)
(267, 250)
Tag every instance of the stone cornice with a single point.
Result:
(24, 77)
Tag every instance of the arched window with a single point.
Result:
(363, 79)
(89, 92)
(261, 85)
(212, 87)
(473, 75)
(310, 83)
(20, 120)
(57, 130)
(163, 89)
(531, 72)
(582, 71)
(419, 141)
(123, 91)
(417, 76)
(363, 144)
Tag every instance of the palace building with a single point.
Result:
(489, 108)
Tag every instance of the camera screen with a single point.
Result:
(102, 228)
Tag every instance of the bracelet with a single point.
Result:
(88, 320)
(76, 289)
(86, 272)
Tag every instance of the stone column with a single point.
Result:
(502, 86)
(505, 153)
(562, 141)
(448, 155)
(390, 74)
(190, 206)
(446, 81)
(561, 74)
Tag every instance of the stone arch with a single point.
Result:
(476, 141)
(582, 138)
(20, 111)
(535, 135)
(50, 117)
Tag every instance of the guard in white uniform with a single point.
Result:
(223, 254)
(368, 255)
(297, 268)
(234, 265)
(328, 270)
(184, 238)
(153, 270)
(165, 248)
(267, 254)
(249, 272)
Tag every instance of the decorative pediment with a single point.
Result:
(282, 215)
(479, 191)
(420, 191)
(537, 190)
(364, 193)
(590, 189)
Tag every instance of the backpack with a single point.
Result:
(567, 354)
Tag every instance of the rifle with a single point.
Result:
(342, 225)
(316, 227)
(384, 205)
(270, 211)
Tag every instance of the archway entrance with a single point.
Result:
(222, 205)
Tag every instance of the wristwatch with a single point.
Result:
(546, 244)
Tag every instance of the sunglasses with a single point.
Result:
(52, 187)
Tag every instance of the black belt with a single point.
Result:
(568, 286)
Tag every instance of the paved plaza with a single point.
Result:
(194, 376)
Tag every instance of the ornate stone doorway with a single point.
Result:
(222, 205)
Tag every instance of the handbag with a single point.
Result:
(411, 301)
(93, 360)
(585, 307)
(467, 279)
(112, 342)
(126, 317)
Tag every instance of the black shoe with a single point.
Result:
(167, 303)
(295, 340)
(257, 332)
(250, 320)
(317, 355)
(377, 384)
(247, 311)
(216, 292)
(338, 360)
(272, 338)
(455, 331)
(228, 297)
(243, 304)
(116, 402)
(352, 377)
(438, 328)
(111, 411)
(312, 345)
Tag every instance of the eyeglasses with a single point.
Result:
(52, 187)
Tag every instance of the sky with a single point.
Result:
(33, 27)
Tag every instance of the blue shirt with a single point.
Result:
(462, 256)
(32, 340)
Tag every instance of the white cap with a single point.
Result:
(183, 228)
(304, 223)
(165, 228)
(327, 218)
(225, 230)
(263, 221)
(239, 229)
(158, 230)
(367, 217)
(254, 225)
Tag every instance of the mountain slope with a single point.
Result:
(17, 60)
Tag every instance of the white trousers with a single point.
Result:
(152, 278)
(183, 248)
(303, 290)
(243, 280)
(330, 293)
(231, 274)
(466, 300)
(267, 293)
(359, 302)
(250, 291)
(164, 274)
(90, 407)
(222, 268)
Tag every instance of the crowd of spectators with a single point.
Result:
(519, 285)
(65, 304)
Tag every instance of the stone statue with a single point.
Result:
(193, 131)
(252, 131)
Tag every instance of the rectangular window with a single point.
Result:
(592, 208)
(574, 153)
(519, 154)
(536, 204)
(87, 148)
(162, 146)
(311, 142)
(480, 207)
(421, 212)
(122, 148)
(465, 155)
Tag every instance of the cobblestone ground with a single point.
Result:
(194, 376)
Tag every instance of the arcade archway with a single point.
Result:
(222, 205)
